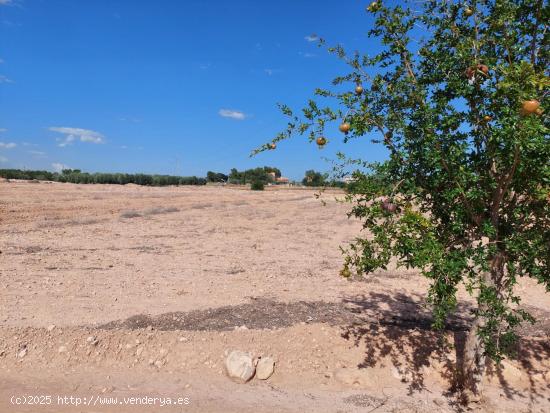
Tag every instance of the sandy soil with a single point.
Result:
(124, 291)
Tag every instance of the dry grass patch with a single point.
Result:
(160, 210)
(130, 214)
(60, 223)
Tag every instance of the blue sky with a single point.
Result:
(172, 87)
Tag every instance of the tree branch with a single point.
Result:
(502, 187)
(475, 217)
(534, 35)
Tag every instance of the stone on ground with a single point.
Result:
(265, 368)
(239, 366)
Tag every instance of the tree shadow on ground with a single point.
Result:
(397, 328)
(530, 352)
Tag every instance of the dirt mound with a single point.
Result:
(259, 314)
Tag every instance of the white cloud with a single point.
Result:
(3, 159)
(307, 55)
(3, 130)
(9, 23)
(312, 38)
(38, 154)
(271, 72)
(58, 167)
(5, 2)
(4, 79)
(1, 61)
(8, 145)
(73, 134)
(129, 119)
(233, 114)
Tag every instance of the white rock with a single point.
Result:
(62, 349)
(22, 353)
(239, 366)
(92, 340)
(51, 327)
(264, 368)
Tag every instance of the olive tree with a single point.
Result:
(457, 96)
(313, 178)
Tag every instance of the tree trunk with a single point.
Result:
(474, 359)
(473, 367)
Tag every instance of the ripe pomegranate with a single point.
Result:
(389, 206)
(344, 127)
(530, 106)
(358, 89)
(321, 141)
(374, 6)
(483, 69)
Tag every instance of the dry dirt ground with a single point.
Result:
(111, 292)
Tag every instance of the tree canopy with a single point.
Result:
(313, 178)
(216, 177)
(458, 97)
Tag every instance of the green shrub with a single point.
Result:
(257, 186)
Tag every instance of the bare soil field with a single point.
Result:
(111, 292)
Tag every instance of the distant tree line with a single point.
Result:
(76, 176)
(261, 175)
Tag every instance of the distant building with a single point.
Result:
(348, 179)
(282, 181)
